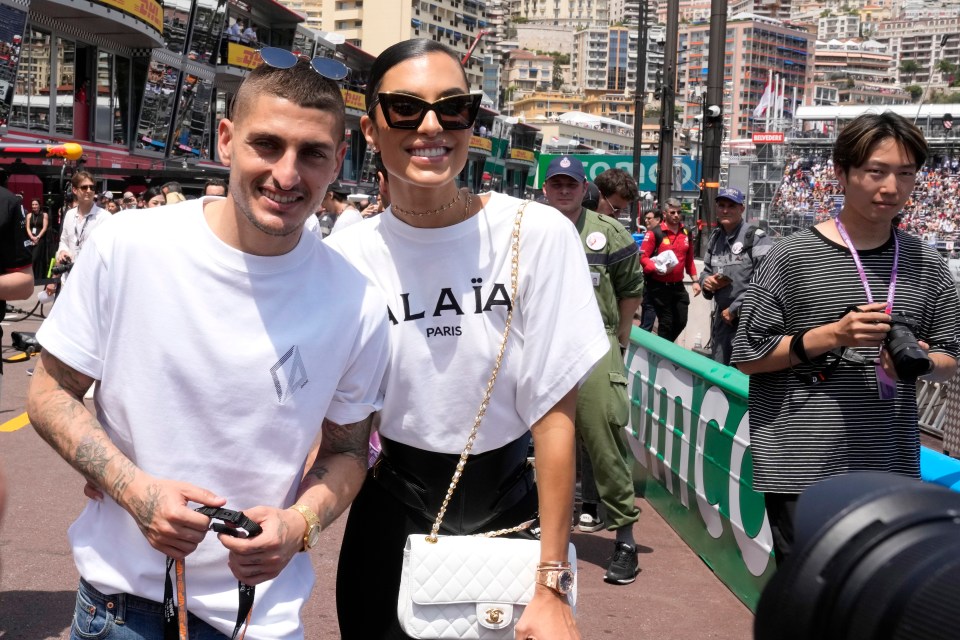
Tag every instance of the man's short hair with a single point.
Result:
(655, 213)
(80, 176)
(172, 187)
(215, 182)
(674, 202)
(617, 181)
(859, 138)
(300, 84)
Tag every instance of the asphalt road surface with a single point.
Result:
(675, 597)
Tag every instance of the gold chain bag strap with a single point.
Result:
(477, 586)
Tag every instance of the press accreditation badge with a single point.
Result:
(886, 386)
(595, 277)
(596, 241)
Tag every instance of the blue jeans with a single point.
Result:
(125, 617)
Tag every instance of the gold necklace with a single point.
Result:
(431, 212)
(466, 209)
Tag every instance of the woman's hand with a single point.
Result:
(547, 617)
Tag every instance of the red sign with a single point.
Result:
(768, 137)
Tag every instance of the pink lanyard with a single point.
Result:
(863, 276)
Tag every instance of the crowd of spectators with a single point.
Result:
(810, 193)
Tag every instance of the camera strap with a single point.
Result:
(886, 385)
(175, 606)
(175, 603)
(891, 290)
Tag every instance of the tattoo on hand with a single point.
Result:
(144, 509)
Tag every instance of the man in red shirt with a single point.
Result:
(665, 286)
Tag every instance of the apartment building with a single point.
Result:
(566, 13)
(858, 71)
(917, 48)
(528, 72)
(374, 25)
(755, 46)
(602, 57)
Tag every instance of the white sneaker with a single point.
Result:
(589, 523)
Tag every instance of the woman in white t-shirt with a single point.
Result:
(443, 256)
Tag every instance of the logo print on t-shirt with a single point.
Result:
(289, 374)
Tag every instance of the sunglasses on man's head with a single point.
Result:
(403, 111)
(282, 59)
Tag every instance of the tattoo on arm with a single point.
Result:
(144, 508)
(318, 471)
(55, 404)
(124, 477)
(349, 440)
(91, 458)
(346, 439)
(329, 515)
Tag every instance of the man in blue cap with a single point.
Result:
(602, 404)
(733, 252)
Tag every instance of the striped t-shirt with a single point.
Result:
(800, 434)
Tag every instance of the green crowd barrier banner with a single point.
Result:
(689, 434)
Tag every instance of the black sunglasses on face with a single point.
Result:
(282, 59)
(403, 111)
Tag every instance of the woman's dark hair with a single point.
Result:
(151, 193)
(401, 52)
(859, 138)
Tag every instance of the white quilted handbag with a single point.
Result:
(468, 587)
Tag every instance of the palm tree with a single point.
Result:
(909, 68)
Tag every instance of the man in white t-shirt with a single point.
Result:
(198, 324)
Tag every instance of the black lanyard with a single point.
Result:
(78, 229)
(174, 614)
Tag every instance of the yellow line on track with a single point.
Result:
(16, 423)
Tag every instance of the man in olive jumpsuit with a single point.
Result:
(602, 405)
(733, 252)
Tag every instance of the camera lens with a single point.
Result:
(877, 557)
(909, 359)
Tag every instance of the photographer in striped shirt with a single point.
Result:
(838, 323)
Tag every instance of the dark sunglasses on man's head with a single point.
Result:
(282, 59)
(403, 111)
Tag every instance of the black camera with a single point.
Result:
(909, 359)
(62, 267)
(876, 557)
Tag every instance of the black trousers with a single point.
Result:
(781, 509)
(672, 303)
(371, 556)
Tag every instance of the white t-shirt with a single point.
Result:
(349, 216)
(312, 224)
(215, 367)
(76, 231)
(448, 290)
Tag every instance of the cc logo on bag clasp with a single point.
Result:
(494, 616)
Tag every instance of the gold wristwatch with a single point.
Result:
(559, 579)
(312, 535)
